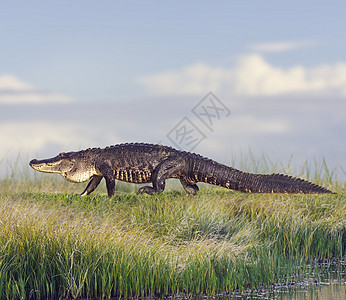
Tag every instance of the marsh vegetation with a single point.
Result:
(54, 243)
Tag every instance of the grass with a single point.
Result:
(55, 244)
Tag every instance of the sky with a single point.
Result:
(221, 78)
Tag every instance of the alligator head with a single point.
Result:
(72, 166)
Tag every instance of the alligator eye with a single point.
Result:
(61, 154)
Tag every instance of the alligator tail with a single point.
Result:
(214, 173)
(273, 183)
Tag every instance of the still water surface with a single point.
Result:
(323, 281)
(320, 291)
(334, 291)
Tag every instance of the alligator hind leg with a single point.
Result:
(92, 185)
(167, 169)
(190, 188)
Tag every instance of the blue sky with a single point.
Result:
(91, 49)
(76, 74)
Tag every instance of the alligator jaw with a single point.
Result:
(67, 167)
(51, 165)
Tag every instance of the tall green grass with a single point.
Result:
(53, 243)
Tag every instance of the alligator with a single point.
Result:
(145, 163)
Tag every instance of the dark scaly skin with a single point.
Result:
(144, 163)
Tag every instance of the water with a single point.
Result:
(324, 280)
(312, 291)
(321, 291)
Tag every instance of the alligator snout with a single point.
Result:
(33, 162)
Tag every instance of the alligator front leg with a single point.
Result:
(166, 169)
(108, 174)
(92, 185)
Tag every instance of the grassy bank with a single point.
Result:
(59, 244)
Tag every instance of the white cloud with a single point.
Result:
(244, 125)
(15, 91)
(251, 76)
(279, 46)
(31, 137)
(194, 79)
(44, 137)
(12, 83)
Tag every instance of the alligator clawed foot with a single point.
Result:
(146, 190)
